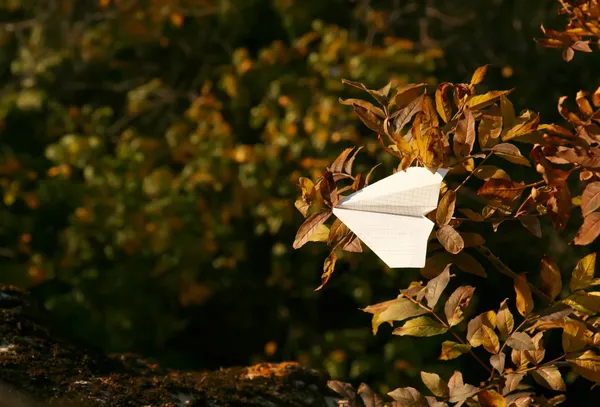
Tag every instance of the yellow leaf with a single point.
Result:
(573, 336)
(524, 298)
(587, 365)
(479, 75)
(452, 350)
(321, 234)
(583, 272)
(551, 278)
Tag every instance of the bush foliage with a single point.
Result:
(482, 140)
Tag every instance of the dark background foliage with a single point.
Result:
(150, 151)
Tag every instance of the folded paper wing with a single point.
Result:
(388, 216)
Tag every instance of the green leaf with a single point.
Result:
(421, 326)
(583, 273)
(452, 350)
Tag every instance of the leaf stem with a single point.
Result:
(472, 172)
(506, 341)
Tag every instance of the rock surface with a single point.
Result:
(38, 368)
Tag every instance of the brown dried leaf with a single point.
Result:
(464, 136)
(310, 227)
(445, 210)
(524, 298)
(497, 361)
(505, 318)
(550, 378)
(589, 230)
(436, 286)
(450, 239)
(350, 162)
(442, 101)
(365, 105)
(459, 299)
(338, 164)
(368, 396)
(590, 200)
(501, 189)
(520, 341)
(370, 119)
(408, 396)
(511, 382)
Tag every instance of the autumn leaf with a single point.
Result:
(435, 384)
(485, 172)
(321, 235)
(551, 277)
(464, 136)
(590, 200)
(436, 286)
(589, 230)
(408, 396)
(368, 396)
(422, 327)
(485, 336)
(587, 303)
(524, 298)
(302, 206)
(452, 350)
(512, 381)
(350, 161)
(445, 209)
(365, 105)
(403, 116)
(480, 101)
(573, 336)
(328, 268)
(520, 341)
(531, 223)
(310, 227)
(345, 390)
(523, 126)
(550, 378)
(338, 164)
(489, 398)
(442, 102)
(505, 319)
(479, 75)
(490, 129)
(587, 365)
(459, 299)
(462, 393)
(370, 119)
(497, 361)
(450, 239)
(501, 189)
(510, 153)
(399, 309)
(583, 272)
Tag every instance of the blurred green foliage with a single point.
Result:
(149, 151)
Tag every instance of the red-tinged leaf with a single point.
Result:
(350, 161)
(524, 298)
(589, 230)
(457, 302)
(489, 398)
(531, 223)
(590, 200)
(550, 378)
(502, 189)
(551, 277)
(452, 350)
(310, 227)
(583, 274)
(436, 286)
(328, 268)
(365, 105)
(511, 382)
(445, 210)
(450, 239)
(464, 136)
(497, 361)
(479, 75)
(520, 341)
(442, 102)
(435, 384)
(504, 319)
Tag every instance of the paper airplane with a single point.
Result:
(389, 215)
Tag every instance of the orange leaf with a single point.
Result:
(524, 298)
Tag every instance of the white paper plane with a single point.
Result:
(389, 215)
